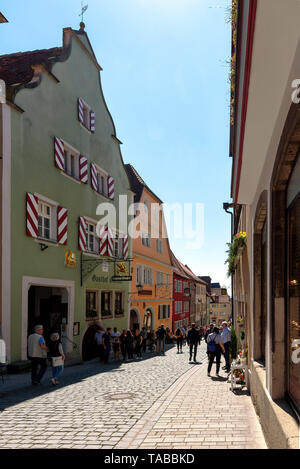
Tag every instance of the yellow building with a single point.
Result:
(151, 286)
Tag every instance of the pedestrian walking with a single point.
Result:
(37, 353)
(57, 357)
(179, 340)
(151, 340)
(193, 339)
(115, 339)
(209, 330)
(161, 339)
(144, 337)
(129, 345)
(184, 334)
(226, 337)
(106, 341)
(215, 347)
(99, 344)
(123, 344)
(138, 339)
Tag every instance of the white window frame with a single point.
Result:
(95, 250)
(69, 152)
(53, 218)
(146, 236)
(159, 277)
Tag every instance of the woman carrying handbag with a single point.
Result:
(57, 357)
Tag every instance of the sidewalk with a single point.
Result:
(198, 412)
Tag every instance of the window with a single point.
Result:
(106, 303)
(294, 302)
(167, 279)
(92, 239)
(119, 310)
(186, 307)
(118, 247)
(71, 162)
(139, 274)
(163, 311)
(180, 286)
(102, 182)
(146, 239)
(176, 285)
(160, 278)
(179, 307)
(159, 245)
(44, 221)
(147, 276)
(91, 309)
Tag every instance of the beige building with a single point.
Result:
(265, 188)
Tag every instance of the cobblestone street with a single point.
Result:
(166, 403)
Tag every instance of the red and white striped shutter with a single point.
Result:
(92, 121)
(80, 110)
(111, 187)
(103, 241)
(62, 225)
(110, 242)
(83, 169)
(94, 179)
(32, 217)
(59, 153)
(82, 235)
(125, 247)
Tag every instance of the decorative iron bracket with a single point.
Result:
(89, 264)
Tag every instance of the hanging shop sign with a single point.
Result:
(186, 292)
(122, 272)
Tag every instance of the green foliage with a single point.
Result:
(239, 241)
(233, 344)
(242, 335)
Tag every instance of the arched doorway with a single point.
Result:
(134, 320)
(148, 319)
(89, 346)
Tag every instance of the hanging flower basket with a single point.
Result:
(235, 250)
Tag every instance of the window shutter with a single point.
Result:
(83, 169)
(82, 234)
(94, 180)
(32, 215)
(125, 247)
(59, 153)
(110, 242)
(80, 110)
(92, 121)
(62, 225)
(102, 240)
(111, 187)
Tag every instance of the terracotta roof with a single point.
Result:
(177, 266)
(17, 68)
(137, 183)
(2, 18)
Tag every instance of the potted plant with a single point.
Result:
(233, 344)
(235, 249)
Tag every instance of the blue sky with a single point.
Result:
(165, 81)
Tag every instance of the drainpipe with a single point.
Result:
(226, 206)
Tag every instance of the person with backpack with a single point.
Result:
(215, 347)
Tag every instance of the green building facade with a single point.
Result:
(61, 159)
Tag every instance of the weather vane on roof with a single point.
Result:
(83, 10)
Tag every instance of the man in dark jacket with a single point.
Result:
(193, 339)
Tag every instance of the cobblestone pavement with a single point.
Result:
(166, 403)
(81, 413)
(198, 412)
